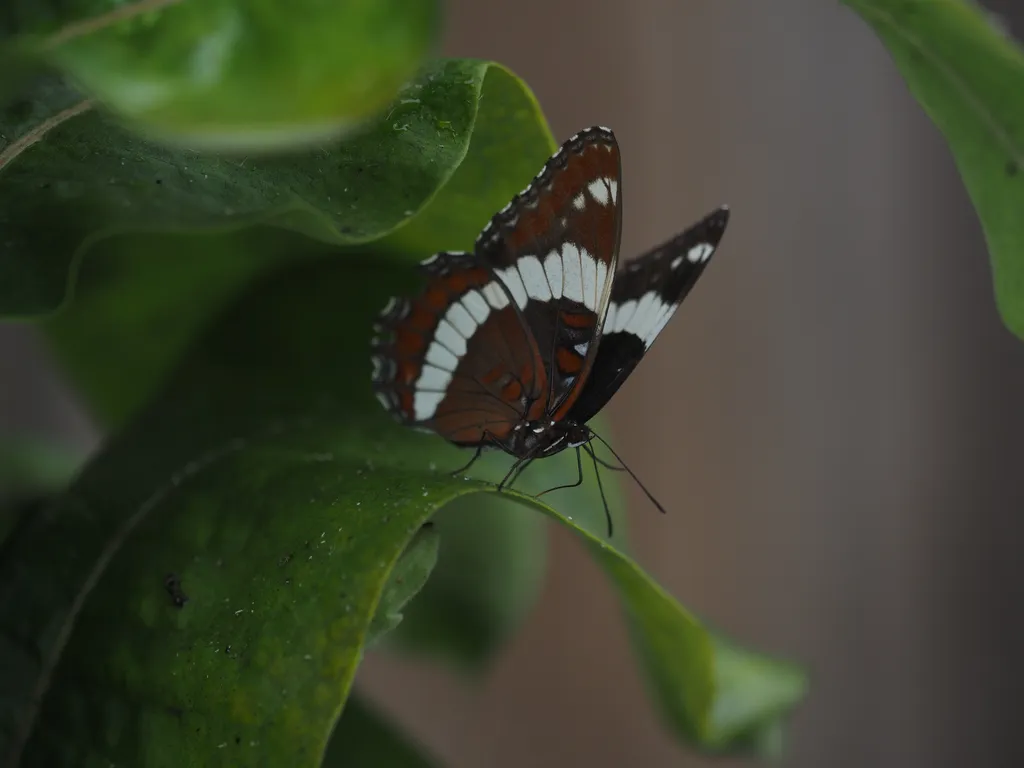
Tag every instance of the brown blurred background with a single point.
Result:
(833, 418)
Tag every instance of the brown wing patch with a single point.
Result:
(457, 359)
(503, 371)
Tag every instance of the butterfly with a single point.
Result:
(518, 344)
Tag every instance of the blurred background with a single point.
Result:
(832, 418)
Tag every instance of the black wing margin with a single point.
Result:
(645, 294)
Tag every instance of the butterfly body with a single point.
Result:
(546, 437)
(518, 344)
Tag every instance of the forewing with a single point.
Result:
(645, 294)
(457, 359)
(555, 246)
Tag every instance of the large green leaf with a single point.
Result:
(268, 481)
(473, 131)
(969, 77)
(362, 736)
(74, 165)
(466, 138)
(228, 73)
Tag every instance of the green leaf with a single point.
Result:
(474, 138)
(65, 162)
(32, 469)
(969, 77)
(364, 738)
(406, 579)
(426, 179)
(265, 478)
(464, 621)
(33, 465)
(229, 74)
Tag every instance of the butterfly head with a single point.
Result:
(546, 437)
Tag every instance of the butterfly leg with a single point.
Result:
(600, 487)
(579, 480)
(518, 468)
(476, 455)
(514, 471)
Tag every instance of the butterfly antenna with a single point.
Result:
(632, 474)
(600, 487)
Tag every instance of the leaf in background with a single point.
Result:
(364, 738)
(969, 77)
(407, 578)
(465, 621)
(268, 481)
(226, 73)
(32, 469)
(34, 465)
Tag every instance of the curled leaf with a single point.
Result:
(228, 74)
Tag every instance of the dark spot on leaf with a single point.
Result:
(173, 586)
(285, 559)
(238, 739)
(1012, 168)
(159, 181)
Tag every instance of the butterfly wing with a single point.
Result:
(457, 359)
(645, 294)
(508, 333)
(556, 246)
